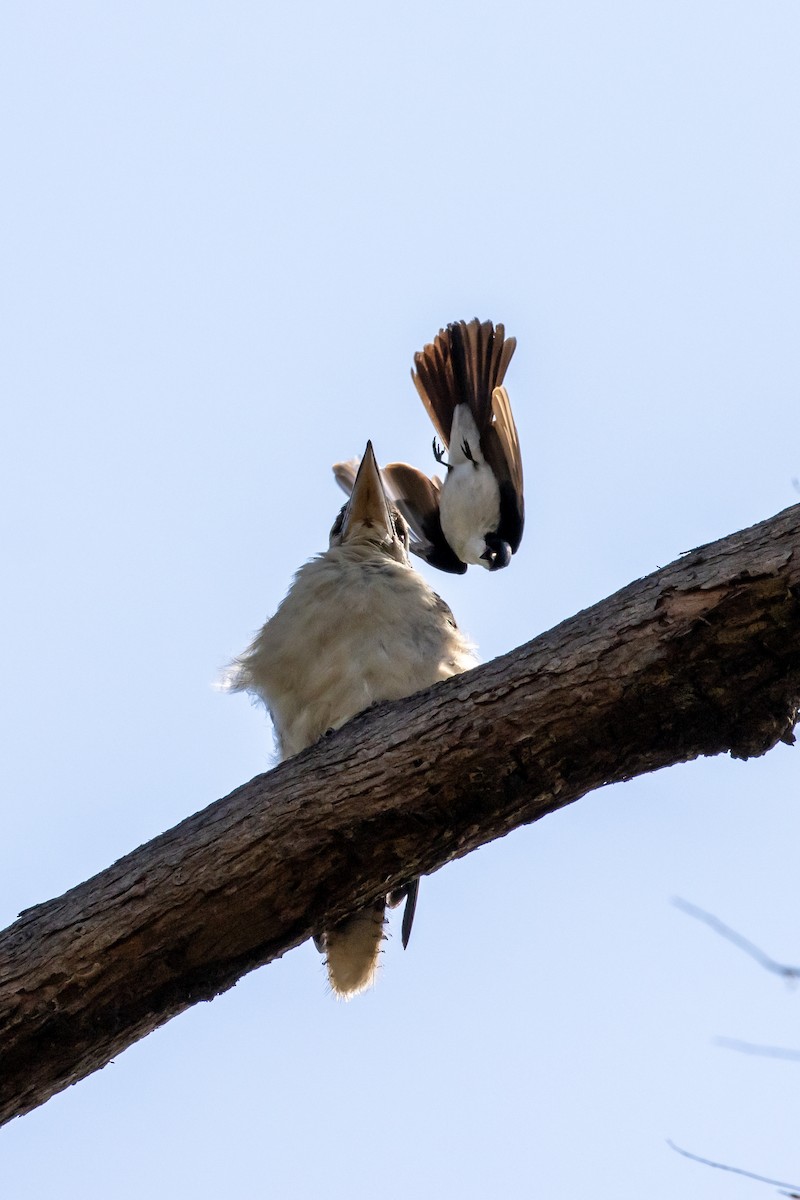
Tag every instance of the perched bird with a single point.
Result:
(477, 514)
(358, 625)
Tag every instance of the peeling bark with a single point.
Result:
(700, 658)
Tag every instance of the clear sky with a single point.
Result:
(225, 230)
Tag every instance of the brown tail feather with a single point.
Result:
(463, 365)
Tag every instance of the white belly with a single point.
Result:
(346, 636)
(469, 508)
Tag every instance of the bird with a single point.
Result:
(358, 625)
(477, 515)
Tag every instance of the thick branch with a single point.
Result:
(701, 657)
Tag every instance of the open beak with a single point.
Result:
(367, 516)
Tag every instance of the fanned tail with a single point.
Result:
(462, 365)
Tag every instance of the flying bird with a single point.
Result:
(477, 514)
(358, 625)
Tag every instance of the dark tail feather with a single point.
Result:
(463, 365)
(409, 893)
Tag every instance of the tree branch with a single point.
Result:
(763, 1051)
(708, 1162)
(700, 658)
(790, 974)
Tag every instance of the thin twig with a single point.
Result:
(791, 974)
(754, 1048)
(735, 1170)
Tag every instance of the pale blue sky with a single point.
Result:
(225, 230)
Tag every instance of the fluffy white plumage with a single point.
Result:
(355, 627)
(358, 625)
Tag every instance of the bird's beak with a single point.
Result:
(497, 553)
(367, 516)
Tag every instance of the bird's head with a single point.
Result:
(368, 520)
(497, 553)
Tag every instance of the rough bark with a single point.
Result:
(700, 658)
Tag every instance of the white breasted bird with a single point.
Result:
(477, 514)
(358, 625)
